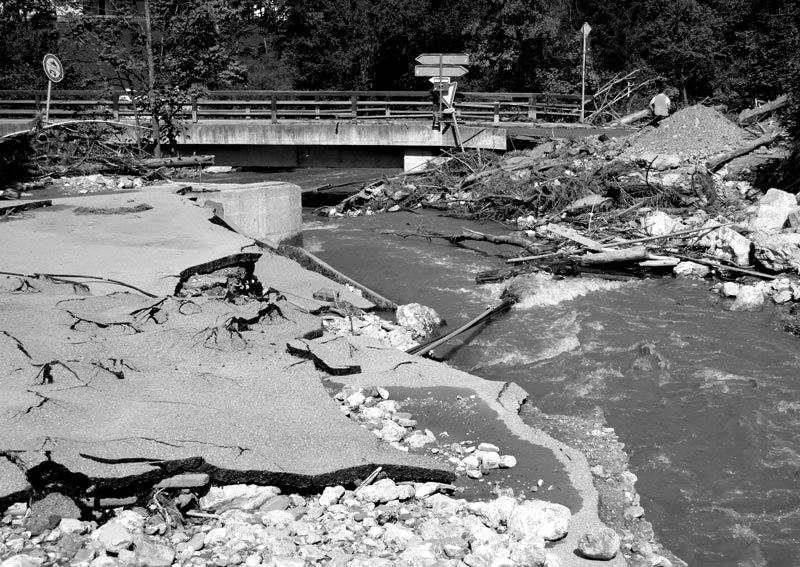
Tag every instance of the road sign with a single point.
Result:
(53, 68)
(586, 29)
(443, 58)
(440, 83)
(439, 71)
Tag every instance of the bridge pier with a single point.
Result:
(417, 158)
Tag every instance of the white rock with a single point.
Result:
(420, 319)
(474, 473)
(389, 406)
(749, 297)
(22, 561)
(72, 526)
(782, 296)
(373, 413)
(400, 536)
(214, 537)
(418, 439)
(773, 211)
(391, 431)
(691, 269)
(113, 536)
(777, 252)
(602, 543)
(658, 223)
(508, 462)
(278, 518)
(489, 448)
(725, 243)
(246, 497)
(539, 518)
(444, 505)
(331, 495)
(383, 393)
(380, 492)
(355, 400)
(425, 489)
(471, 461)
(489, 459)
(730, 289)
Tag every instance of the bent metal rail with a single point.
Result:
(278, 106)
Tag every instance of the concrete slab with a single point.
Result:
(147, 249)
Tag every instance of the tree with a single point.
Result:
(27, 32)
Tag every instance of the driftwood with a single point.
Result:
(426, 348)
(719, 266)
(637, 254)
(190, 161)
(751, 115)
(716, 162)
(575, 236)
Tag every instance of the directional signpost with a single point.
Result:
(55, 72)
(440, 68)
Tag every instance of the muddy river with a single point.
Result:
(706, 400)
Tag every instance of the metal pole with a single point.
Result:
(47, 108)
(441, 129)
(583, 80)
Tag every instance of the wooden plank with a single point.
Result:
(573, 235)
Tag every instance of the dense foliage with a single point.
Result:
(729, 51)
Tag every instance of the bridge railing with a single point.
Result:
(279, 106)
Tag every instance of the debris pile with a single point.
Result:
(377, 523)
(692, 134)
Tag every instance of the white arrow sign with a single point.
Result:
(443, 58)
(439, 71)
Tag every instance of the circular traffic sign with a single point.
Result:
(53, 68)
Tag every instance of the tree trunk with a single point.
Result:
(752, 115)
(151, 75)
(716, 162)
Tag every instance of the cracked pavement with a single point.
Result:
(104, 395)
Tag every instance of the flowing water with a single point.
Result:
(706, 400)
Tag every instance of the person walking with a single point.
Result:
(659, 106)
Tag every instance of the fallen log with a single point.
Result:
(24, 206)
(473, 235)
(311, 262)
(499, 274)
(426, 348)
(750, 115)
(716, 162)
(633, 117)
(637, 254)
(189, 161)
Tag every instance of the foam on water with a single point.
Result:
(540, 290)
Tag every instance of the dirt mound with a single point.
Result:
(696, 131)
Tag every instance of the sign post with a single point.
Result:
(440, 68)
(585, 29)
(55, 72)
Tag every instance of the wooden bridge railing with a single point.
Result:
(278, 106)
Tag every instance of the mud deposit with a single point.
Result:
(704, 399)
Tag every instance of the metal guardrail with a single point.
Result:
(278, 106)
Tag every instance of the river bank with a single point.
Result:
(110, 392)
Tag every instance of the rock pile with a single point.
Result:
(372, 408)
(382, 524)
(695, 132)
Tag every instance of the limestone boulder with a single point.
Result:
(246, 497)
(750, 297)
(726, 244)
(773, 211)
(659, 223)
(777, 252)
(539, 517)
(421, 320)
(602, 543)
(689, 269)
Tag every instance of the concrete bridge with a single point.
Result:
(314, 128)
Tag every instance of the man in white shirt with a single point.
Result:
(659, 106)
